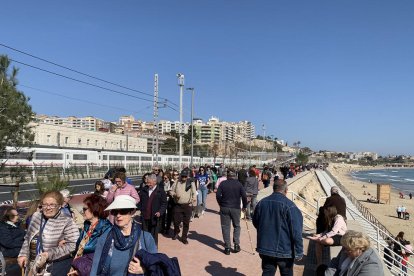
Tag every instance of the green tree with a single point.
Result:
(302, 158)
(15, 111)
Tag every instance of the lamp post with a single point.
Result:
(180, 78)
(192, 125)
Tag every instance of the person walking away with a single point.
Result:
(202, 183)
(399, 209)
(184, 194)
(228, 196)
(279, 225)
(334, 200)
(252, 189)
(266, 176)
(153, 204)
(221, 171)
(242, 175)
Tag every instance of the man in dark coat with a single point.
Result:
(153, 203)
(334, 200)
(228, 197)
(242, 175)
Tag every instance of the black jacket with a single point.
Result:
(337, 201)
(242, 176)
(159, 204)
(11, 239)
(229, 193)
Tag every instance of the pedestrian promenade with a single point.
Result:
(204, 253)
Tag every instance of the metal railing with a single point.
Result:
(361, 208)
(307, 214)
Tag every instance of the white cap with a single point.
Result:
(122, 202)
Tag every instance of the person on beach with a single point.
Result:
(399, 211)
(410, 195)
(336, 226)
(355, 258)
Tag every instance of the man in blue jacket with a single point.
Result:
(279, 226)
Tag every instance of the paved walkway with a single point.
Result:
(204, 253)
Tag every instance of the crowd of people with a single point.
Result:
(122, 222)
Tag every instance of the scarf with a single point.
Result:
(116, 239)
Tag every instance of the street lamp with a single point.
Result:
(192, 124)
(180, 78)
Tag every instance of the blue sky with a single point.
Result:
(335, 75)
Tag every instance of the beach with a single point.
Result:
(385, 213)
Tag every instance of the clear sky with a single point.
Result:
(335, 75)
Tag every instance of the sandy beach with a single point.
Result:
(385, 213)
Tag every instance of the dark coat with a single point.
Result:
(158, 264)
(242, 176)
(337, 201)
(229, 194)
(11, 239)
(159, 204)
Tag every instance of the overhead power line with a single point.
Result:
(81, 73)
(84, 101)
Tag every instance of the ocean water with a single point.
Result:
(400, 179)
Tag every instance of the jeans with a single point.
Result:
(152, 228)
(270, 264)
(228, 215)
(251, 205)
(202, 196)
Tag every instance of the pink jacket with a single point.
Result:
(339, 228)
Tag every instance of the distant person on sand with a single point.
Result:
(399, 211)
(411, 195)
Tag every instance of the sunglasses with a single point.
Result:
(122, 212)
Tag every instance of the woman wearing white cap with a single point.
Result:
(114, 254)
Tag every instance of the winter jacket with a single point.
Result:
(11, 239)
(229, 194)
(159, 203)
(252, 185)
(337, 201)
(158, 264)
(279, 225)
(368, 264)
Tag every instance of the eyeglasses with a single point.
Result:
(156, 170)
(49, 206)
(122, 212)
(14, 215)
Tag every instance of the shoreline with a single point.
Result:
(385, 213)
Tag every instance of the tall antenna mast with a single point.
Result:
(155, 133)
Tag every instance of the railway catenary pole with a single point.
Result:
(155, 134)
(180, 77)
(192, 125)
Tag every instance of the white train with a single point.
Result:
(65, 158)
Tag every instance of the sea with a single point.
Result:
(400, 179)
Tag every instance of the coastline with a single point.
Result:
(385, 213)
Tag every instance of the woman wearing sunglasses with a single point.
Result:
(43, 250)
(95, 225)
(115, 250)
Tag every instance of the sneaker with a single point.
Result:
(227, 251)
(236, 248)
